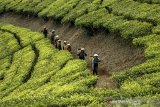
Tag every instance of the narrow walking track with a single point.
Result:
(116, 53)
(104, 80)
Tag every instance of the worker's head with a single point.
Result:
(95, 55)
(59, 41)
(44, 27)
(65, 42)
(68, 44)
(82, 49)
(57, 36)
(53, 31)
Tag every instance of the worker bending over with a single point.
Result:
(45, 32)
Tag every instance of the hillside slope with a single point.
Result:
(115, 52)
(136, 20)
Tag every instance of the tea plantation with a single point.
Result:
(35, 74)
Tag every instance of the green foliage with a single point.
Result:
(4, 66)
(38, 8)
(33, 73)
(151, 65)
(101, 18)
(79, 10)
(111, 14)
(61, 11)
(18, 71)
(43, 76)
(12, 4)
(26, 36)
(149, 1)
(8, 44)
(156, 29)
(54, 6)
(135, 10)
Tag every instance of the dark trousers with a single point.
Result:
(95, 68)
(45, 35)
(52, 40)
(59, 47)
(82, 58)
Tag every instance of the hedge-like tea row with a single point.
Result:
(4, 66)
(8, 44)
(130, 23)
(26, 36)
(144, 78)
(135, 10)
(40, 75)
(149, 1)
(18, 71)
(101, 18)
(151, 65)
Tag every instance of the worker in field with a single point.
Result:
(56, 41)
(45, 32)
(95, 62)
(59, 46)
(53, 36)
(69, 47)
(82, 54)
(65, 45)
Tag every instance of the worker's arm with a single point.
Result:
(85, 54)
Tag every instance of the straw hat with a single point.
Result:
(82, 49)
(57, 36)
(95, 54)
(53, 30)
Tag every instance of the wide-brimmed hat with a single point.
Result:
(82, 49)
(95, 54)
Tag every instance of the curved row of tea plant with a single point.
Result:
(135, 10)
(114, 15)
(40, 75)
(149, 1)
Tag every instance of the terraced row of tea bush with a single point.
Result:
(126, 17)
(149, 1)
(34, 73)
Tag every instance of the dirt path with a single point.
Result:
(115, 52)
(104, 80)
